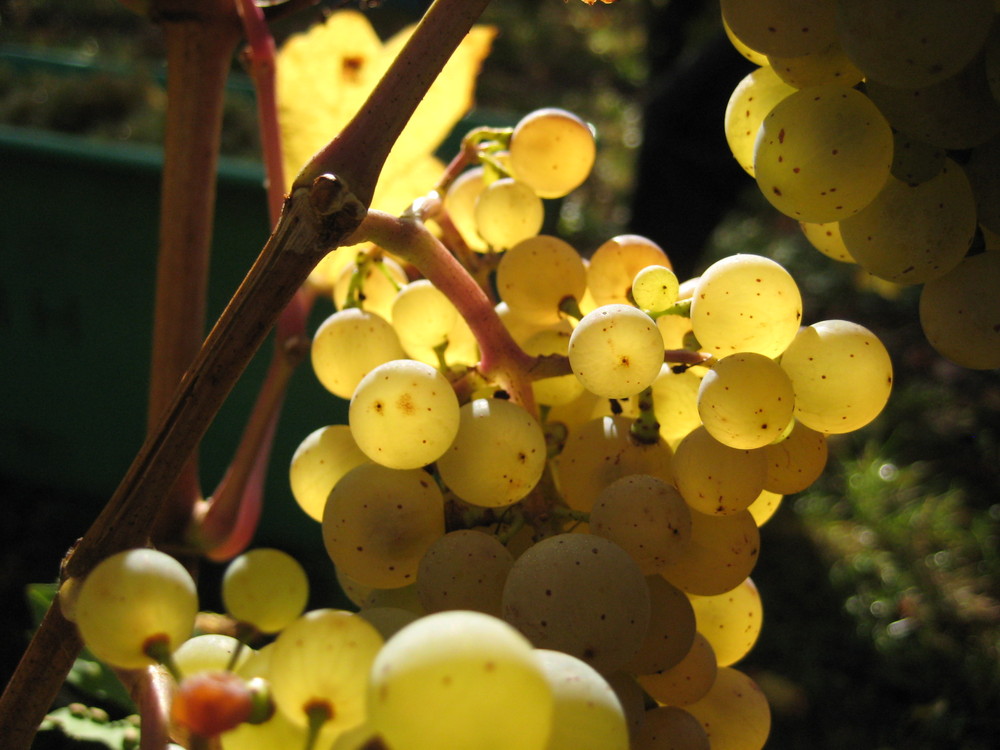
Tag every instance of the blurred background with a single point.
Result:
(881, 583)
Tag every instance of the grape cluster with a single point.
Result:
(567, 571)
(876, 126)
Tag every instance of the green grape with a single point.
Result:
(716, 478)
(498, 454)
(443, 681)
(654, 288)
(133, 600)
(688, 681)
(675, 402)
(765, 506)
(960, 312)
(794, 463)
(388, 620)
(587, 714)
(671, 629)
(602, 450)
(265, 587)
(956, 113)
(581, 594)
(826, 238)
(508, 211)
(670, 728)
(914, 161)
(537, 274)
(730, 622)
(370, 340)
(422, 315)
(616, 351)
(321, 662)
(381, 280)
(746, 400)
(746, 303)
(210, 652)
(782, 27)
(752, 99)
(464, 569)
(911, 43)
(553, 151)
(822, 153)
(615, 263)
(403, 414)
(722, 552)
(379, 522)
(561, 389)
(460, 203)
(318, 464)
(646, 517)
(983, 171)
(911, 234)
(829, 65)
(841, 374)
(734, 713)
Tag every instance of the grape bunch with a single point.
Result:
(559, 567)
(876, 126)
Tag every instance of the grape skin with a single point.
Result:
(616, 351)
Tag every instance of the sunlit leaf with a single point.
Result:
(326, 73)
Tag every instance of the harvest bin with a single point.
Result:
(78, 241)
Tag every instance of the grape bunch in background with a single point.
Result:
(561, 567)
(877, 127)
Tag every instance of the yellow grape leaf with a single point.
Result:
(324, 76)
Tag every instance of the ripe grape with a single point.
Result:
(380, 281)
(746, 400)
(794, 463)
(615, 263)
(616, 351)
(654, 288)
(826, 238)
(379, 522)
(209, 652)
(670, 727)
(751, 101)
(765, 506)
(508, 211)
(498, 454)
(675, 402)
(782, 27)
(829, 65)
(265, 587)
(687, 681)
(716, 478)
(404, 414)
(442, 681)
(746, 303)
(464, 569)
(422, 315)
(133, 600)
(318, 464)
(553, 151)
(841, 374)
(722, 552)
(581, 594)
(734, 713)
(730, 622)
(561, 389)
(460, 202)
(367, 336)
(822, 153)
(671, 629)
(537, 274)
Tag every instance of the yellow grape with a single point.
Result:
(794, 463)
(587, 714)
(757, 58)
(829, 65)
(782, 27)
(404, 414)
(132, 600)
(746, 400)
(914, 161)
(318, 464)
(671, 628)
(498, 454)
(553, 151)
(723, 551)
(537, 274)
(561, 389)
(765, 506)
(615, 263)
(422, 315)
(752, 99)
(731, 621)
(716, 478)
(675, 402)
(822, 153)
(670, 728)
(442, 681)
(265, 587)
(910, 234)
(464, 569)
(841, 374)
(210, 652)
(654, 288)
(746, 303)
(388, 620)
(508, 211)
(960, 312)
(379, 522)
(734, 713)
(688, 680)
(616, 351)
(826, 238)
(381, 280)
(460, 203)
(369, 338)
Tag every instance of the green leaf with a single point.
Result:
(92, 727)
